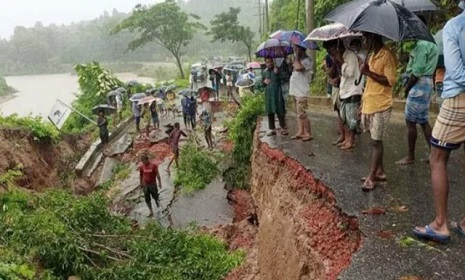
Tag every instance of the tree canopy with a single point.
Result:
(225, 27)
(165, 24)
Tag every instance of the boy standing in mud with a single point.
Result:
(175, 135)
(148, 181)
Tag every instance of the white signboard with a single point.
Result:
(60, 112)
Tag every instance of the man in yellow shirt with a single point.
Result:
(377, 102)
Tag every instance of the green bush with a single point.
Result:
(241, 132)
(94, 84)
(197, 167)
(70, 235)
(36, 125)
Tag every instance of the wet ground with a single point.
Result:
(387, 251)
(206, 207)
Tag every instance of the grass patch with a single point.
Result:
(241, 132)
(39, 129)
(58, 234)
(197, 166)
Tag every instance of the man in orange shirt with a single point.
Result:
(377, 102)
(148, 181)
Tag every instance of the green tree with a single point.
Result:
(165, 24)
(226, 27)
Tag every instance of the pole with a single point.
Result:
(267, 17)
(260, 17)
(74, 110)
(297, 16)
(310, 4)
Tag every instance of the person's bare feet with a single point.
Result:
(348, 146)
(307, 137)
(369, 185)
(405, 161)
(297, 137)
(339, 140)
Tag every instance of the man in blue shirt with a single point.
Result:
(449, 130)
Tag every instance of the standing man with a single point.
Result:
(136, 112)
(148, 181)
(418, 91)
(333, 75)
(300, 88)
(377, 103)
(350, 94)
(174, 137)
(274, 100)
(449, 130)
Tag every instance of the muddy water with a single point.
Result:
(37, 94)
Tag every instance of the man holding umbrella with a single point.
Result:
(381, 72)
(418, 90)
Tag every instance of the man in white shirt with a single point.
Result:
(300, 89)
(350, 94)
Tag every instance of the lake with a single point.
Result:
(37, 94)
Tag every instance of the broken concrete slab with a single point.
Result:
(205, 207)
(91, 170)
(121, 145)
(107, 170)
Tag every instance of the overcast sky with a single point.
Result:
(28, 12)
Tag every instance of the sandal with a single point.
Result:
(431, 235)
(296, 137)
(272, 133)
(309, 138)
(284, 132)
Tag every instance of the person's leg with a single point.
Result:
(271, 124)
(440, 180)
(376, 159)
(411, 140)
(300, 132)
(427, 131)
(148, 201)
(137, 124)
(154, 192)
(340, 125)
(282, 123)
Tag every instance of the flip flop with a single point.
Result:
(307, 139)
(431, 235)
(296, 137)
(271, 133)
(284, 132)
(380, 179)
(455, 226)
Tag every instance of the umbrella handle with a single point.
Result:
(357, 82)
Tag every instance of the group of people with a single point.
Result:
(367, 102)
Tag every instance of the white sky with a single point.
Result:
(28, 12)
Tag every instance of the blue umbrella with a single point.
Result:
(274, 48)
(295, 37)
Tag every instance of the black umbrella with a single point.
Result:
(107, 110)
(383, 17)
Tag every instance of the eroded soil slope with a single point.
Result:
(43, 163)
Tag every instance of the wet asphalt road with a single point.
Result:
(408, 186)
